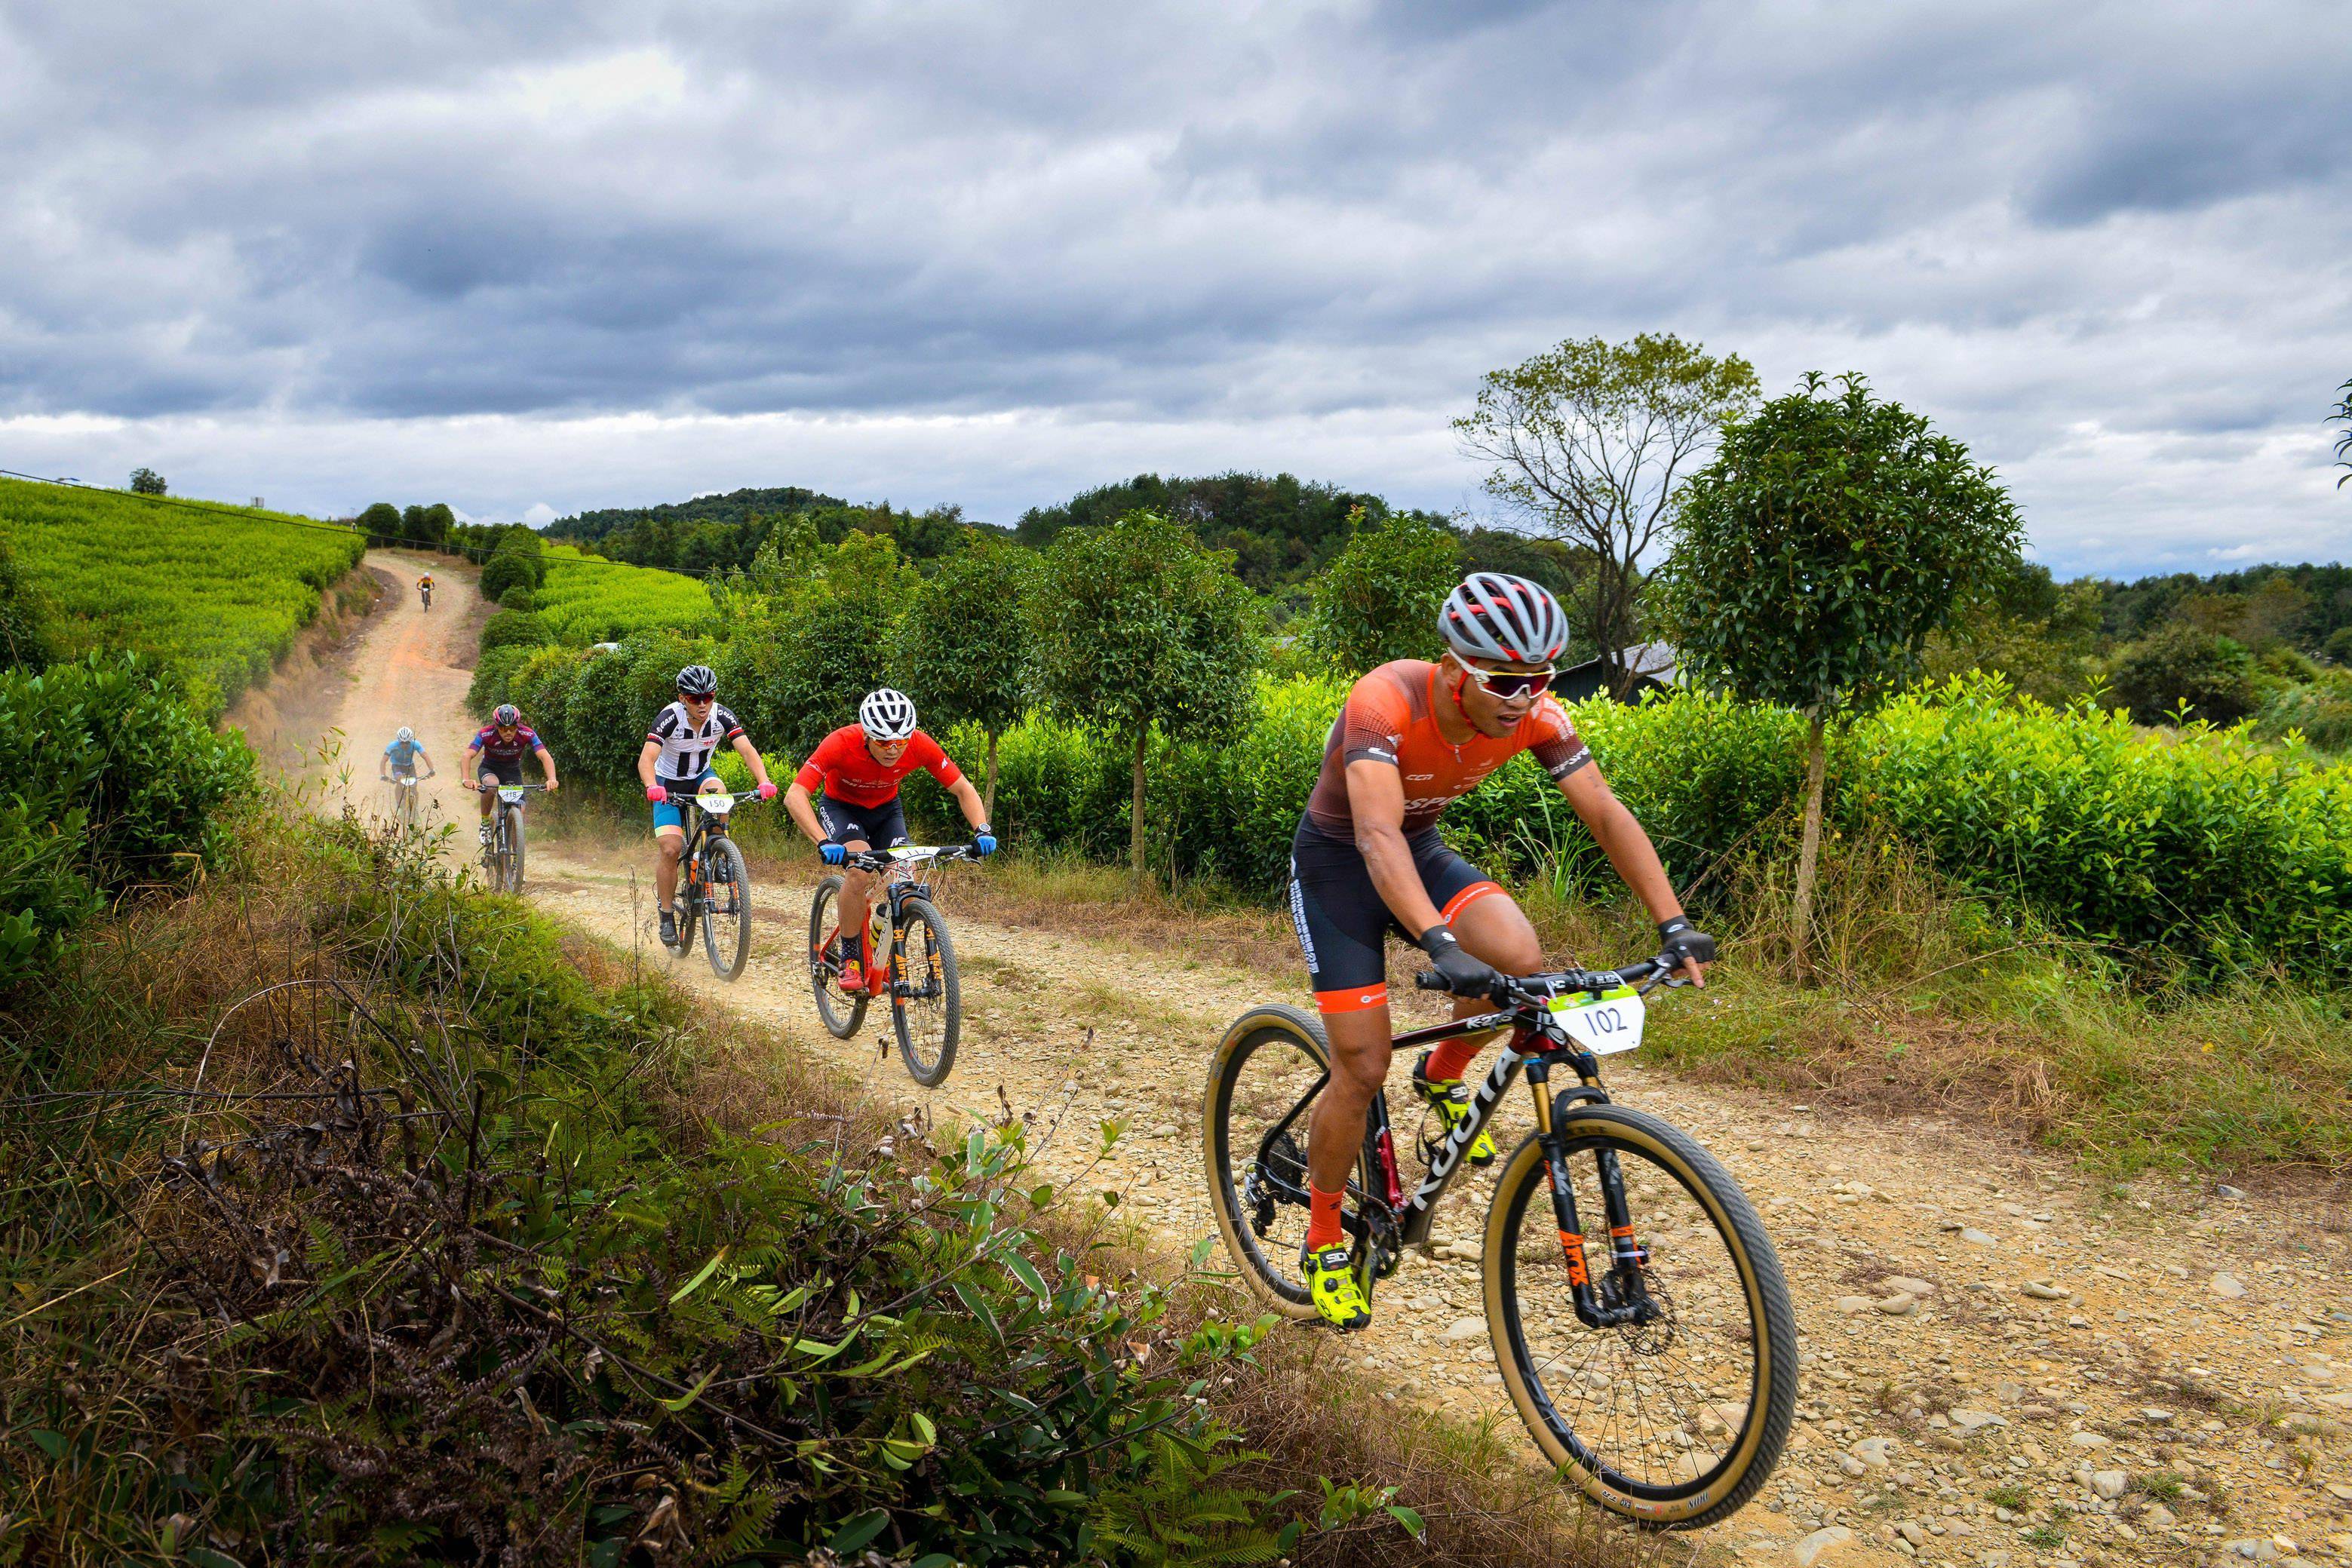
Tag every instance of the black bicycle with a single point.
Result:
(915, 963)
(1655, 1365)
(502, 852)
(714, 886)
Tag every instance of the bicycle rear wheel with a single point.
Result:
(925, 1007)
(841, 1013)
(1264, 1069)
(1674, 1419)
(726, 907)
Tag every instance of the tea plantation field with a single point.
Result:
(218, 591)
(588, 599)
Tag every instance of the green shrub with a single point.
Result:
(217, 592)
(518, 560)
(494, 673)
(24, 613)
(519, 597)
(116, 783)
(512, 628)
(2180, 667)
(2320, 710)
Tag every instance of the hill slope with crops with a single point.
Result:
(217, 591)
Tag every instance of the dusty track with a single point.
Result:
(2191, 1323)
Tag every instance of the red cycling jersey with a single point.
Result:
(851, 772)
(1391, 717)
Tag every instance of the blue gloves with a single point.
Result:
(984, 843)
(834, 854)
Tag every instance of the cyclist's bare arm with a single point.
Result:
(547, 766)
(751, 758)
(803, 814)
(968, 799)
(1376, 802)
(647, 755)
(1622, 838)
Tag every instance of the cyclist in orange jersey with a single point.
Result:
(1367, 860)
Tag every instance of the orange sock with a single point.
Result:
(1450, 1060)
(1323, 1227)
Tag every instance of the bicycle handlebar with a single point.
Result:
(883, 860)
(1534, 990)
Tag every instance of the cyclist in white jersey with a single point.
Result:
(676, 762)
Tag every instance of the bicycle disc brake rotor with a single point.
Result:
(1653, 1332)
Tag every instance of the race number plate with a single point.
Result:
(715, 805)
(1604, 1024)
(512, 796)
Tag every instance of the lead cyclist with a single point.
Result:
(1413, 737)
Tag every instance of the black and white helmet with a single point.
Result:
(886, 715)
(697, 681)
(1493, 615)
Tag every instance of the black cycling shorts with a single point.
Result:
(1343, 922)
(505, 770)
(882, 827)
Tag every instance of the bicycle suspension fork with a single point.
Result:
(1620, 1300)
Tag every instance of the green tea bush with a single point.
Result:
(517, 561)
(587, 600)
(512, 628)
(218, 592)
(2217, 853)
(116, 783)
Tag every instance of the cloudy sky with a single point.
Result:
(532, 259)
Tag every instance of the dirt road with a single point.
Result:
(2006, 1362)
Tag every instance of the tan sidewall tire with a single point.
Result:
(1767, 1431)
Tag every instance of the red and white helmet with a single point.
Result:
(1495, 616)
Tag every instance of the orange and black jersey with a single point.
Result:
(1391, 717)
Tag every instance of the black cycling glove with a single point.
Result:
(1465, 975)
(1678, 939)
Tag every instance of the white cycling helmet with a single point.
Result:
(1493, 615)
(406, 736)
(886, 715)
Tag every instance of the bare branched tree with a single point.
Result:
(1590, 443)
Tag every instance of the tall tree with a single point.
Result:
(1827, 539)
(381, 523)
(1134, 626)
(1591, 445)
(1378, 600)
(962, 652)
(147, 482)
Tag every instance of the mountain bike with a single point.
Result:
(424, 590)
(714, 886)
(407, 803)
(502, 855)
(916, 967)
(1657, 1372)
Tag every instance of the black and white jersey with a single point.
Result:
(686, 747)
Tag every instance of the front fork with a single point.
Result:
(1620, 1296)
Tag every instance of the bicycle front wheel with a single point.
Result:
(1263, 1078)
(926, 1008)
(725, 908)
(841, 1013)
(514, 853)
(1673, 1418)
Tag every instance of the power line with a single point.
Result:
(475, 554)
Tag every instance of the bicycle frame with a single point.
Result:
(1411, 1217)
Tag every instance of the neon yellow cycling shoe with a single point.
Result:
(1331, 1285)
(1450, 1098)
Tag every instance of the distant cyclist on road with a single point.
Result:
(425, 588)
(860, 766)
(502, 745)
(400, 757)
(676, 762)
(1367, 860)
